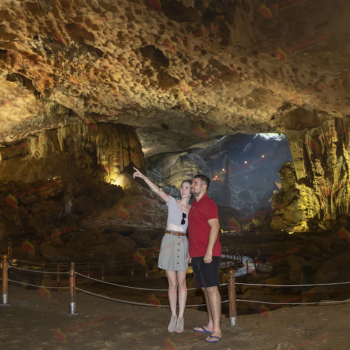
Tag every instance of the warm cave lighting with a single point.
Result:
(121, 181)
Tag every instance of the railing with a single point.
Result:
(72, 287)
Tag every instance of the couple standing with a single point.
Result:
(202, 248)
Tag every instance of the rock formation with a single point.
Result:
(90, 89)
(181, 72)
(315, 187)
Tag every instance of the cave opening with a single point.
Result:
(245, 171)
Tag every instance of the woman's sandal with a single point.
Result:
(180, 325)
(172, 324)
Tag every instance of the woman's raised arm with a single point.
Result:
(153, 187)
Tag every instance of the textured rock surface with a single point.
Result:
(178, 75)
(54, 184)
(315, 188)
(80, 150)
(179, 66)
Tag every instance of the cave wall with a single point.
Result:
(315, 187)
(87, 150)
(68, 194)
(170, 68)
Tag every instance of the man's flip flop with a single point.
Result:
(213, 336)
(204, 331)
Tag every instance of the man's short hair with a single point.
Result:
(204, 180)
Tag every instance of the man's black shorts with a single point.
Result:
(206, 275)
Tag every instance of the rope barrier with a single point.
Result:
(34, 285)
(292, 285)
(114, 265)
(134, 303)
(85, 266)
(244, 284)
(67, 264)
(307, 303)
(72, 286)
(120, 285)
(17, 268)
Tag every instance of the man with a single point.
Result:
(205, 253)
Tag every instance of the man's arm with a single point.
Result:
(213, 236)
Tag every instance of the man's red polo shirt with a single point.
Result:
(199, 229)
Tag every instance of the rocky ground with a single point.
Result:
(34, 322)
(37, 319)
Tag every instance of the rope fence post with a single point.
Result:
(58, 271)
(88, 267)
(226, 256)
(43, 262)
(146, 267)
(232, 297)
(9, 250)
(5, 283)
(132, 266)
(103, 271)
(72, 291)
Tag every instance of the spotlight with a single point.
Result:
(245, 162)
(223, 169)
(263, 156)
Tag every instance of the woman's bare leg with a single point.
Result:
(172, 291)
(181, 279)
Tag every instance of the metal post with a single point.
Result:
(226, 256)
(103, 271)
(132, 267)
(43, 263)
(232, 297)
(146, 266)
(72, 304)
(58, 271)
(9, 248)
(88, 267)
(5, 283)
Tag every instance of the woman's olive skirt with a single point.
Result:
(173, 252)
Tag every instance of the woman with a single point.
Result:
(173, 255)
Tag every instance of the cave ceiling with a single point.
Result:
(180, 72)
